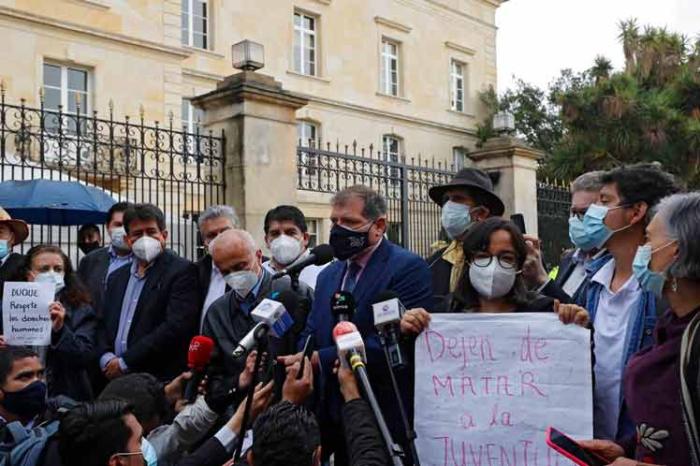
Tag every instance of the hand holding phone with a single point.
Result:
(571, 449)
(306, 353)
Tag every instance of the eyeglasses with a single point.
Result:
(507, 260)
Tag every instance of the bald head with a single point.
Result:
(235, 250)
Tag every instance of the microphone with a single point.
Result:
(343, 305)
(198, 357)
(388, 312)
(271, 316)
(320, 255)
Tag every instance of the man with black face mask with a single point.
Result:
(367, 265)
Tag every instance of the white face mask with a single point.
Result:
(118, 236)
(147, 249)
(55, 278)
(285, 249)
(242, 282)
(492, 281)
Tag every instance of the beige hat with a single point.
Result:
(18, 227)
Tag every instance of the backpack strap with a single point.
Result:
(691, 337)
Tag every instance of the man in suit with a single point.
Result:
(151, 307)
(212, 222)
(12, 233)
(467, 198)
(367, 265)
(95, 268)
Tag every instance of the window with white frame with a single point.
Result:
(305, 44)
(391, 146)
(457, 87)
(191, 117)
(195, 18)
(389, 79)
(65, 87)
(313, 226)
(459, 158)
(308, 133)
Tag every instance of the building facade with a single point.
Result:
(402, 75)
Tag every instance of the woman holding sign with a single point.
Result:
(73, 322)
(661, 383)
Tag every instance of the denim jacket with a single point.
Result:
(639, 335)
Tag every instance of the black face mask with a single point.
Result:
(88, 247)
(28, 402)
(347, 243)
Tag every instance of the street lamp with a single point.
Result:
(503, 122)
(248, 55)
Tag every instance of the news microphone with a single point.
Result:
(198, 357)
(320, 255)
(271, 316)
(343, 305)
(388, 312)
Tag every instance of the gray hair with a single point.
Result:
(680, 213)
(242, 235)
(589, 182)
(375, 204)
(216, 211)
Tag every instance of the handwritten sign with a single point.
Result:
(25, 313)
(488, 385)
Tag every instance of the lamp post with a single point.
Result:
(248, 55)
(504, 123)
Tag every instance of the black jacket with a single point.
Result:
(441, 271)
(553, 288)
(9, 270)
(365, 444)
(165, 319)
(92, 270)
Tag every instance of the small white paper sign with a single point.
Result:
(488, 386)
(25, 313)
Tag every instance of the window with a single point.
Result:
(313, 228)
(457, 86)
(307, 133)
(390, 151)
(195, 20)
(389, 83)
(459, 156)
(65, 86)
(191, 117)
(305, 41)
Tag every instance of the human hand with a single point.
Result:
(348, 382)
(291, 359)
(295, 390)
(606, 449)
(534, 273)
(572, 313)
(628, 462)
(261, 400)
(113, 370)
(3, 343)
(175, 390)
(246, 377)
(414, 321)
(58, 314)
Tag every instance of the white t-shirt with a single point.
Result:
(307, 276)
(612, 325)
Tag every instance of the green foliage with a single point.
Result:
(601, 118)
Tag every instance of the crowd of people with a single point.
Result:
(111, 387)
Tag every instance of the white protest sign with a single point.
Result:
(25, 313)
(488, 386)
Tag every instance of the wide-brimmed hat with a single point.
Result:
(474, 180)
(18, 227)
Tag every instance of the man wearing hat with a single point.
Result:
(468, 198)
(12, 232)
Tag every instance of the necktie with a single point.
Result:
(351, 277)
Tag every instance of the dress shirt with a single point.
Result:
(7, 256)
(116, 261)
(361, 260)
(129, 304)
(217, 288)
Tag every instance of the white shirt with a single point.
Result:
(308, 275)
(612, 322)
(217, 288)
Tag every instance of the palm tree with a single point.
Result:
(629, 36)
(601, 69)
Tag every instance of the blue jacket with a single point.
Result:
(640, 333)
(390, 268)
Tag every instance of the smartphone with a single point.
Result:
(519, 221)
(308, 351)
(566, 446)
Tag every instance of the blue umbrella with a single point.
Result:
(48, 202)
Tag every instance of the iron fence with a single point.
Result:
(553, 203)
(181, 172)
(414, 220)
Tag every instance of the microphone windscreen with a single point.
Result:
(324, 254)
(385, 295)
(343, 303)
(289, 299)
(343, 328)
(200, 352)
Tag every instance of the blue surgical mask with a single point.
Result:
(647, 278)
(596, 232)
(4, 248)
(456, 219)
(149, 453)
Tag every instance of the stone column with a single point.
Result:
(258, 119)
(517, 165)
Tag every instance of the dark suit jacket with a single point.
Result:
(92, 270)
(441, 272)
(204, 275)
(9, 270)
(553, 288)
(165, 319)
(211, 453)
(390, 268)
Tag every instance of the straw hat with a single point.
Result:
(18, 227)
